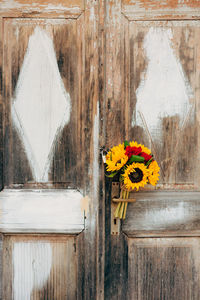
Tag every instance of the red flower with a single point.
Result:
(146, 156)
(132, 151)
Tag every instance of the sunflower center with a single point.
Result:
(136, 176)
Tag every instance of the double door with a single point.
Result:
(78, 76)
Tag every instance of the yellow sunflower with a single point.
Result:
(136, 176)
(153, 172)
(144, 149)
(116, 158)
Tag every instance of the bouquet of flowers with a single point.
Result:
(135, 167)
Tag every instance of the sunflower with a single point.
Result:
(135, 176)
(153, 172)
(116, 158)
(144, 149)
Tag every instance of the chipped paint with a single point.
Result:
(41, 107)
(41, 211)
(166, 216)
(164, 4)
(164, 86)
(31, 267)
(74, 5)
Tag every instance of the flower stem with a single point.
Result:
(117, 210)
(121, 210)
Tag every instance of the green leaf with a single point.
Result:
(136, 158)
(149, 161)
(112, 174)
(126, 143)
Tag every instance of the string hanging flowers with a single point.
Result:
(135, 166)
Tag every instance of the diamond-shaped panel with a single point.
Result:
(164, 91)
(42, 106)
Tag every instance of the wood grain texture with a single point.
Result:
(76, 46)
(164, 268)
(116, 251)
(66, 156)
(171, 136)
(101, 187)
(1, 104)
(115, 108)
(170, 9)
(171, 214)
(42, 9)
(163, 213)
(47, 268)
(89, 241)
(1, 267)
(41, 211)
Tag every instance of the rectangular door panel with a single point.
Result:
(39, 267)
(164, 269)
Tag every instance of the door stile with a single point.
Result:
(116, 249)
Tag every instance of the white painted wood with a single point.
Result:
(42, 106)
(32, 263)
(43, 211)
(163, 213)
(164, 85)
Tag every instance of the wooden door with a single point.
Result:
(152, 96)
(49, 149)
(76, 76)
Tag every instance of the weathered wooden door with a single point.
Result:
(76, 76)
(152, 96)
(49, 149)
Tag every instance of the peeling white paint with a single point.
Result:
(41, 211)
(41, 107)
(32, 265)
(11, 4)
(164, 91)
(167, 216)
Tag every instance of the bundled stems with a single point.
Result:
(121, 209)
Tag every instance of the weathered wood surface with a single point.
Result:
(90, 242)
(74, 30)
(164, 9)
(39, 267)
(41, 8)
(170, 50)
(163, 268)
(1, 267)
(1, 103)
(163, 214)
(116, 251)
(58, 38)
(41, 211)
(161, 115)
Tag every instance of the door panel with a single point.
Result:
(163, 214)
(164, 93)
(163, 268)
(39, 267)
(43, 100)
